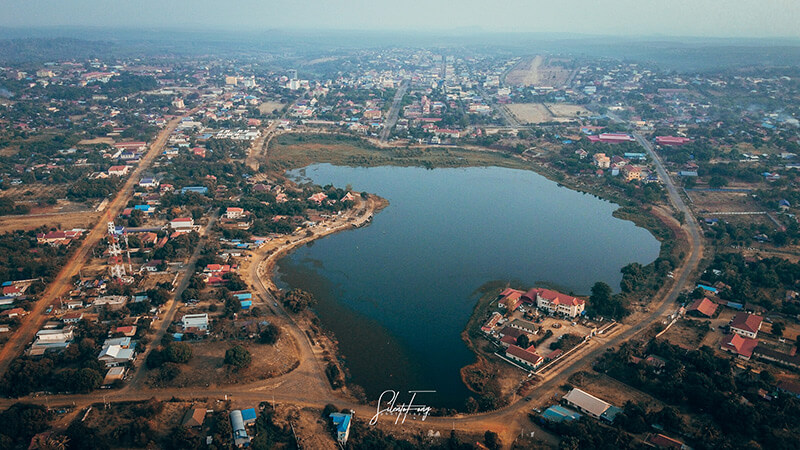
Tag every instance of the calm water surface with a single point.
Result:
(398, 293)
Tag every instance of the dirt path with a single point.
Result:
(63, 281)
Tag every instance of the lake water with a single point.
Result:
(398, 293)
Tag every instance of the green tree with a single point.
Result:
(178, 352)
(270, 334)
(238, 357)
(717, 182)
(778, 328)
(298, 300)
(523, 341)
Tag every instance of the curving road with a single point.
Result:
(308, 386)
(63, 281)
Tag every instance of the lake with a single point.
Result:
(398, 293)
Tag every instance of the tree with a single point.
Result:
(238, 357)
(298, 300)
(523, 341)
(270, 334)
(178, 352)
(717, 182)
(491, 440)
(778, 328)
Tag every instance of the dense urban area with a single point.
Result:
(144, 202)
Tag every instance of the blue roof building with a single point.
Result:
(342, 423)
(558, 413)
(196, 189)
(246, 304)
(249, 415)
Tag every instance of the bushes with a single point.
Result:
(238, 357)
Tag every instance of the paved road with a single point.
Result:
(394, 111)
(63, 281)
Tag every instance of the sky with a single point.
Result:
(702, 18)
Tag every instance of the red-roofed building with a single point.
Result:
(218, 268)
(739, 345)
(234, 213)
(118, 171)
(510, 299)
(672, 140)
(72, 317)
(487, 327)
(611, 138)
(14, 312)
(662, 441)
(702, 307)
(527, 356)
(746, 325)
(128, 331)
(11, 291)
(555, 302)
(319, 197)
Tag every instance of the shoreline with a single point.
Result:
(266, 266)
(641, 215)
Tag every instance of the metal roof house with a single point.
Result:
(342, 423)
(591, 405)
(240, 437)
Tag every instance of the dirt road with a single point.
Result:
(63, 281)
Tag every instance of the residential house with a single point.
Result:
(746, 325)
(194, 418)
(739, 345)
(182, 224)
(702, 307)
(601, 160)
(662, 441)
(240, 437)
(110, 302)
(114, 374)
(558, 413)
(195, 323)
(591, 405)
(54, 339)
(119, 171)
(115, 355)
(72, 317)
(342, 423)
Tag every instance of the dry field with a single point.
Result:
(537, 72)
(687, 333)
(568, 111)
(100, 140)
(533, 113)
(530, 112)
(612, 391)
(269, 107)
(723, 202)
(207, 365)
(63, 221)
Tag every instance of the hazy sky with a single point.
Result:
(724, 18)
